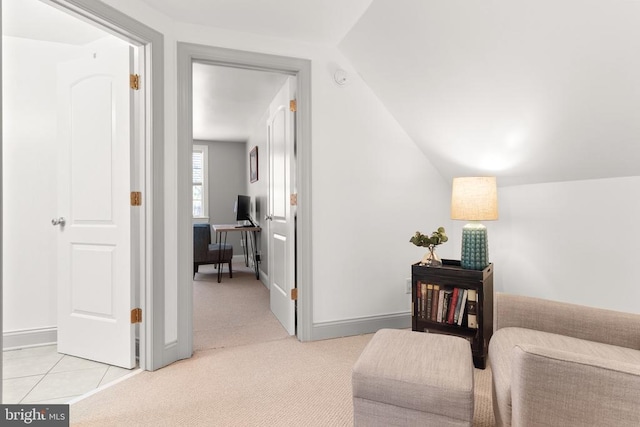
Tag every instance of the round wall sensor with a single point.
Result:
(340, 76)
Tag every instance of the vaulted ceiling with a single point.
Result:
(527, 90)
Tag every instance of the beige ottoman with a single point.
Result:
(413, 378)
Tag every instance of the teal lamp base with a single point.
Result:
(475, 247)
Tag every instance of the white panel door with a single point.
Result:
(95, 291)
(281, 231)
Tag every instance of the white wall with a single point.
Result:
(570, 241)
(29, 182)
(372, 188)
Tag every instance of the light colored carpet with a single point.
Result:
(259, 380)
(233, 312)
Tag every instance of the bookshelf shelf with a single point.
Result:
(438, 291)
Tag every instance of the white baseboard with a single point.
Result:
(264, 278)
(360, 326)
(29, 338)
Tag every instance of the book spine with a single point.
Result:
(434, 302)
(423, 290)
(429, 301)
(445, 305)
(452, 306)
(472, 309)
(457, 308)
(418, 298)
(440, 305)
(463, 306)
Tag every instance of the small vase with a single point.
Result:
(431, 258)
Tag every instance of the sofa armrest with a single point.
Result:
(554, 387)
(588, 323)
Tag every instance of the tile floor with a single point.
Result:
(42, 375)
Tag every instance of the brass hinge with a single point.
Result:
(136, 198)
(294, 294)
(136, 315)
(293, 105)
(294, 199)
(134, 81)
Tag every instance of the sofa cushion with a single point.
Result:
(505, 340)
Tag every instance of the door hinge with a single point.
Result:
(134, 81)
(136, 198)
(294, 294)
(294, 199)
(136, 315)
(293, 105)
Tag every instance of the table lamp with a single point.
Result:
(474, 199)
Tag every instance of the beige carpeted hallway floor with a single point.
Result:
(245, 372)
(233, 312)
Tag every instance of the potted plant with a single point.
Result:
(437, 237)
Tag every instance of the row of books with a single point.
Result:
(454, 306)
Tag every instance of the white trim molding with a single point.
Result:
(361, 325)
(34, 337)
(189, 53)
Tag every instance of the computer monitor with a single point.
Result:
(242, 208)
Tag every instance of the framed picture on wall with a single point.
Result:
(253, 164)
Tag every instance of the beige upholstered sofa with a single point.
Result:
(558, 364)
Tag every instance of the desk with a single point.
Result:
(221, 230)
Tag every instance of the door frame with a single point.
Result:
(149, 240)
(187, 54)
(151, 251)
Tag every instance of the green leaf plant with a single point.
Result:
(437, 237)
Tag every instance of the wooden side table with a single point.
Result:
(431, 305)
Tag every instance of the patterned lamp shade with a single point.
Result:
(474, 199)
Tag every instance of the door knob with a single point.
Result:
(268, 217)
(58, 221)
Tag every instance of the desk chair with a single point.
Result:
(204, 252)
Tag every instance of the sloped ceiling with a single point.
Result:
(312, 21)
(527, 90)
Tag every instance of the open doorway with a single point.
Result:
(189, 54)
(231, 112)
(41, 45)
